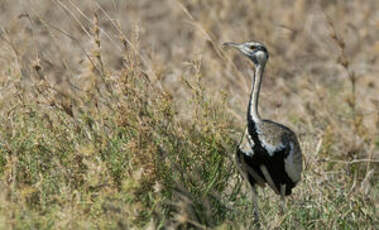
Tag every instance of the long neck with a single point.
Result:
(254, 95)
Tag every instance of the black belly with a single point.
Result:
(274, 165)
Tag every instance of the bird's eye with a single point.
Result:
(252, 47)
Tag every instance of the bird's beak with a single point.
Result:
(232, 44)
(237, 46)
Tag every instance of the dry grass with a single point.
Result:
(126, 114)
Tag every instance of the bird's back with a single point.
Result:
(277, 148)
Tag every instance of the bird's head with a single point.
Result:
(256, 51)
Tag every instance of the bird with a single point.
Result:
(269, 152)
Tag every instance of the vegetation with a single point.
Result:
(126, 114)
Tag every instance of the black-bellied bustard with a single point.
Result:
(270, 152)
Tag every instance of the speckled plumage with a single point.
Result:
(270, 145)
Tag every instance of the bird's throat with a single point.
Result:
(254, 95)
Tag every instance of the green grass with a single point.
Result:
(143, 166)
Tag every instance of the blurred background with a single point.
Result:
(300, 36)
